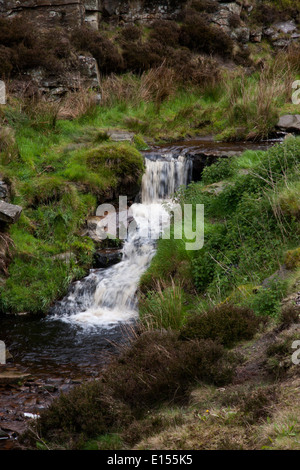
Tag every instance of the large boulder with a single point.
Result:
(83, 71)
(289, 123)
(106, 258)
(48, 13)
(9, 213)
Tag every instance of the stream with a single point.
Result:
(99, 312)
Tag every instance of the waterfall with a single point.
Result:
(163, 176)
(108, 296)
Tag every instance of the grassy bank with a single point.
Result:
(58, 172)
(251, 206)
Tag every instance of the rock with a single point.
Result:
(256, 35)
(282, 34)
(233, 7)
(241, 34)
(9, 377)
(281, 274)
(83, 72)
(46, 14)
(121, 136)
(270, 33)
(3, 434)
(65, 257)
(4, 190)
(289, 123)
(106, 258)
(224, 13)
(9, 213)
(70, 14)
(88, 68)
(281, 43)
(286, 27)
(98, 228)
(49, 388)
(215, 188)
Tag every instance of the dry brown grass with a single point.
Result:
(156, 85)
(77, 104)
(256, 106)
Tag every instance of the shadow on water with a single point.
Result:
(51, 347)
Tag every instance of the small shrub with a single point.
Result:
(139, 56)
(158, 367)
(131, 33)
(289, 315)
(199, 36)
(165, 32)
(242, 57)
(257, 405)
(267, 301)
(287, 202)
(105, 52)
(208, 6)
(203, 72)
(227, 324)
(234, 20)
(218, 171)
(162, 308)
(139, 429)
(86, 410)
(6, 65)
(267, 14)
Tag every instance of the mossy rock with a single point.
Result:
(292, 259)
(122, 161)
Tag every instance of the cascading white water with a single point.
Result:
(164, 176)
(108, 296)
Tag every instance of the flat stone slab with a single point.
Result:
(286, 27)
(120, 136)
(289, 123)
(10, 377)
(9, 212)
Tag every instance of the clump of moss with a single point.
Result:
(292, 258)
(45, 189)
